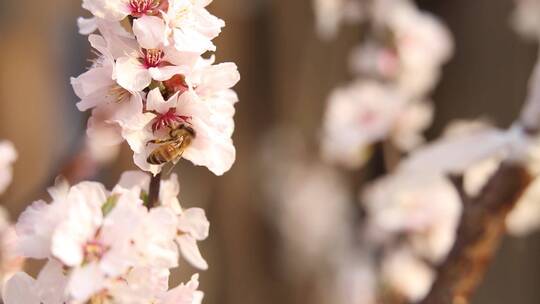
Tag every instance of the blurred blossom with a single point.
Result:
(101, 243)
(10, 262)
(313, 215)
(330, 14)
(8, 155)
(365, 113)
(525, 217)
(310, 203)
(478, 172)
(424, 208)
(422, 45)
(526, 18)
(356, 281)
(459, 152)
(410, 54)
(407, 274)
(397, 66)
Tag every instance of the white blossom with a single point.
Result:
(525, 217)
(155, 46)
(424, 208)
(407, 274)
(103, 238)
(365, 113)
(8, 155)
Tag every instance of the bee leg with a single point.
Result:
(159, 141)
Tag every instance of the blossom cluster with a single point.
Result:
(8, 155)
(151, 79)
(396, 66)
(107, 246)
(409, 217)
(10, 262)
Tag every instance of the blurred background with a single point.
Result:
(287, 74)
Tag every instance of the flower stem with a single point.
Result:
(153, 195)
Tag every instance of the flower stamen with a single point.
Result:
(169, 120)
(152, 58)
(143, 7)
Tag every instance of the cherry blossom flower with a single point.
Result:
(423, 44)
(525, 217)
(365, 113)
(191, 26)
(110, 245)
(48, 288)
(315, 239)
(426, 208)
(8, 155)
(192, 225)
(136, 70)
(140, 60)
(210, 147)
(407, 274)
(10, 262)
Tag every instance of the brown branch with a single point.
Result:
(478, 237)
(153, 195)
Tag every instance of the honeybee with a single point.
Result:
(172, 148)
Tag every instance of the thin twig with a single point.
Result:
(153, 195)
(478, 237)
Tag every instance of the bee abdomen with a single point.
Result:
(162, 155)
(156, 159)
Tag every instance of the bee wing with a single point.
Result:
(177, 159)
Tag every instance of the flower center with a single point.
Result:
(153, 57)
(93, 251)
(143, 7)
(170, 120)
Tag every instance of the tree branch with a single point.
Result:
(478, 237)
(153, 195)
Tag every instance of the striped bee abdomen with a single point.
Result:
(163, 154)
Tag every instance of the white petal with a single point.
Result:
(150, 32)
(458, 153)
(190, 251)
(51, 283)
(189, 40)
(408, 275)
(212, 150)
(85, 282)
(156, 102)
(193, 221)
(165, 72)
(218, 77)
(20, 289)
(114, 10)
(131, 74)
(134, 179)
(184, 293)
(84, 218)
(35, 228)
(87, 25)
